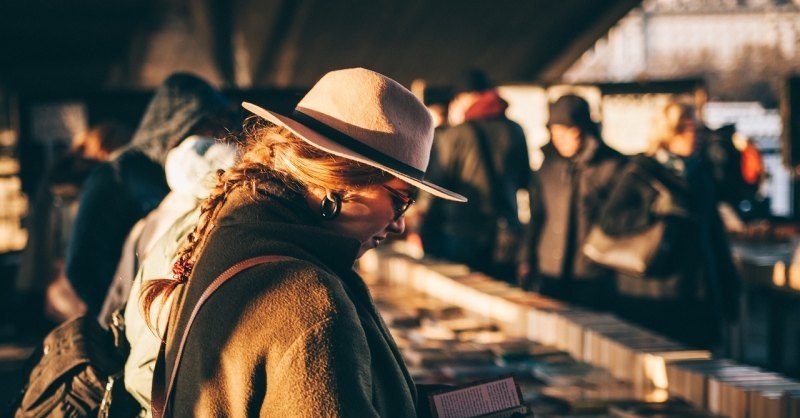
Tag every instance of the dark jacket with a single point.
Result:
(289, 338)
(582, 184)
(703, 269)
(122, 191)
(457, 164)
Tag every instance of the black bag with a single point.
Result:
(79, 373)
(637, 254)
(654, 250)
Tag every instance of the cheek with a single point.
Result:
(364, 222)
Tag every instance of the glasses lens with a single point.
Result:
(400, 202)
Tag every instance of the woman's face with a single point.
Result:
(371, 214)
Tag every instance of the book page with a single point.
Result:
(476, 400)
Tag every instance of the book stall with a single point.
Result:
(458, 327)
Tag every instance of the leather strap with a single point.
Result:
(160, 394)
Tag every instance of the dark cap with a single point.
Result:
(472, 80)
(571, 110)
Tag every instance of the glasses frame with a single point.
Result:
(405, 200)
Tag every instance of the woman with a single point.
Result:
(300, 336)
(696, 293)
(150, 249)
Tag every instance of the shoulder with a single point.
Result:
(607, 154)
(103, 175)
(134, 166)
(100, 191)
(291, 292)
(459, 132)
(505, 123)
(268, 309)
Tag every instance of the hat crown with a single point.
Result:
(570, 110)
(374, 110)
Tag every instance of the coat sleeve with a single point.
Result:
(101, 224)
(530, 244)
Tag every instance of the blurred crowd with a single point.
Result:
(637, 235)
(642, 235)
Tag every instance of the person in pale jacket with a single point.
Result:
(150, 249)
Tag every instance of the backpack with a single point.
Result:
(78, 373)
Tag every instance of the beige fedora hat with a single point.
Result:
(367, 117)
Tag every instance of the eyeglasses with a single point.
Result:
(400, 201)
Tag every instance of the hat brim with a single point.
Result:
(322, 142)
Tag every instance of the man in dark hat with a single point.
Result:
(483, 157)
(566, 194)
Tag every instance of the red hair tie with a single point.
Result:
(181, 270)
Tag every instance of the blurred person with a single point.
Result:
(298, 336)
(753, 170)
(40, 279)
(566, 194)
(483, 156)
(437, 101)
(123, 190)
(736, 169)
(698, 297)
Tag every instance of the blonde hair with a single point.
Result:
(270, 152)
(667, 124)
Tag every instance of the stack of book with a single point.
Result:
(733, 390)
(653, 368)
(670, 409)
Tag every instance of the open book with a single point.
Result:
(495, 398)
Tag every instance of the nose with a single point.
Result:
(398, 226)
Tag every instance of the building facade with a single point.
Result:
(739, 46)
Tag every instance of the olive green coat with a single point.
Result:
(291, 338)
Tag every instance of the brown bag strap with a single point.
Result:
(160, 394)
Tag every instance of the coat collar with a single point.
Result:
(278, 217)
(591, 149)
